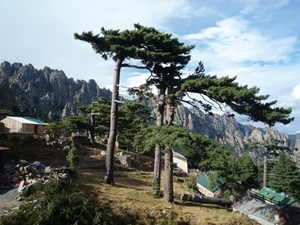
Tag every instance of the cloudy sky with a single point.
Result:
(257, 41)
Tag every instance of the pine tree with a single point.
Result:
(146, 44)
(248, 172)
(216, 92)
(284, 176)
(93, 117)
(133, 116)
(270, 147)
(260, 172)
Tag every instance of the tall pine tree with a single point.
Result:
(145, 44)
(248, 172)
(284, 176)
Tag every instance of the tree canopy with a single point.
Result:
(240, 98)
(145, 44)
(5, 112)
(285, 176)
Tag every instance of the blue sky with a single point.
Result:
(257, 41)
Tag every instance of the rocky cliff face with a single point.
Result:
(48, 94)
(227, 131)
(45, 93)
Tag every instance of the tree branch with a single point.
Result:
(135, 66)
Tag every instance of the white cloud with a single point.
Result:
(255, 40)
(234, 40)
(281, 3)
(295, 95)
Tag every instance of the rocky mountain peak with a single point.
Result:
(48, 94)
(46, 91)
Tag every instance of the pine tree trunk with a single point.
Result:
(157, 170)
(265, 172)
(157, 160)
(92, 127)
(169, 190)
(109, 163)
(168, 172)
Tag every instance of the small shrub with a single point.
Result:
(72, 157)
(57, 205)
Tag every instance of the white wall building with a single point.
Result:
(180, 161)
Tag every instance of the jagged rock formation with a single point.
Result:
(227, 131)
(45, 93)
(48, 94)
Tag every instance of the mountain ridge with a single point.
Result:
(49, 95)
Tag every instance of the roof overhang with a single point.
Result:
(4, 148)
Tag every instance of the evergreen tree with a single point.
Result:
(133, 116)
(260, 173)
(219, 158)
(217, 92)
(56, 128)
(285, 176)
(166, 78)
(212, 157)
(5, 112)
(97, 117)
(143, 43)
(92, 118)
(248, 172)
(270, 147)
(77, 123)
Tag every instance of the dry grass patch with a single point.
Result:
(131, 200)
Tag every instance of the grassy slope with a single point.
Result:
(130, 199)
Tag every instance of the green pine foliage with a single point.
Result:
(72, 157)
(241, 99)
(165, 136)
(284, 176)
(56, 128)
(247, 172)
(77, 123)
(260, 172)
(133, 117)
(101, 111)
(5, 112)
(142, 43)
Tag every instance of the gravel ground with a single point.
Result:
(8, 200)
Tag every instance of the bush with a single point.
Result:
(57, 205)
(72, 157)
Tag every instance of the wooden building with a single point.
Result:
(23, 125)
(180, 162)
(204, 187)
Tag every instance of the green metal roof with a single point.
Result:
(274, 197)
(36, 121)
(204, 181)
(27, 120)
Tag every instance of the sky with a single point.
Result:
(258, 41)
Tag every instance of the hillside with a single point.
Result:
(130, 200)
